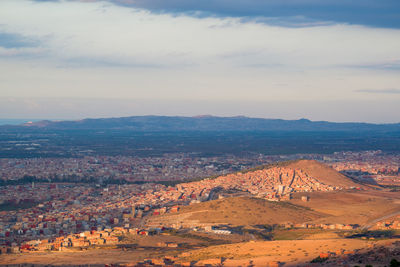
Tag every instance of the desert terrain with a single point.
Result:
(252, 253)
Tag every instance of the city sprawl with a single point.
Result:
(51, 213)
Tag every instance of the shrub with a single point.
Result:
(319, 259)
(394, 263)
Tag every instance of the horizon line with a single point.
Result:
(200, 116)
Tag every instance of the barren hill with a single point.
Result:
(238, 211)
(322, 173)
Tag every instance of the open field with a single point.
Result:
(136, 248)
(345, 207)
(239, 211)
(298, 234)
(352, 207)
(291, 253)
(98, 256)
(259, 253)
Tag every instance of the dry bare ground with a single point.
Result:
(238, 211)
(351, 207)
(289, 253)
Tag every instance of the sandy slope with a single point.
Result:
(323, 173)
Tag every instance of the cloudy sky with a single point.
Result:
(318, 59)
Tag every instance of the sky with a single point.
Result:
(317, 59)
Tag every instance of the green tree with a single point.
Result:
(394, 263)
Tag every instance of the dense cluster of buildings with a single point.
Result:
(54, 215)
(170, 167)
(373, 162)
(180, 167)
(367, 166)
(274, 184)
(325, 226)
(62, 209)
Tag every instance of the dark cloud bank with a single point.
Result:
(376, 13)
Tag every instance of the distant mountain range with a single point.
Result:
(208, 123)
(204, 135)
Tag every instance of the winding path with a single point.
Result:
(371, 223)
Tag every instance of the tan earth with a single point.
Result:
(259, 253)
(289, 253)
(350, 207)
(345, 207)
(237, 211)
(99, 256)
(324, 173)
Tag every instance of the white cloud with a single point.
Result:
(24, 51)
(105, 50)
(126, 35)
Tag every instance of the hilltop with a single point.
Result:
(323, 173)
(274, 182)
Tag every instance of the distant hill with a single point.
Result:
(202, 135)
(210, 123)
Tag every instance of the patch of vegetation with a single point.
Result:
(271, 227)
(377, 234)
(294, 234)
(319, 260)
(198, 237)
(9, 206)
(394, 263)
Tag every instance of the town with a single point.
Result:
(57, 215)
(176, 167)
(60, 210)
